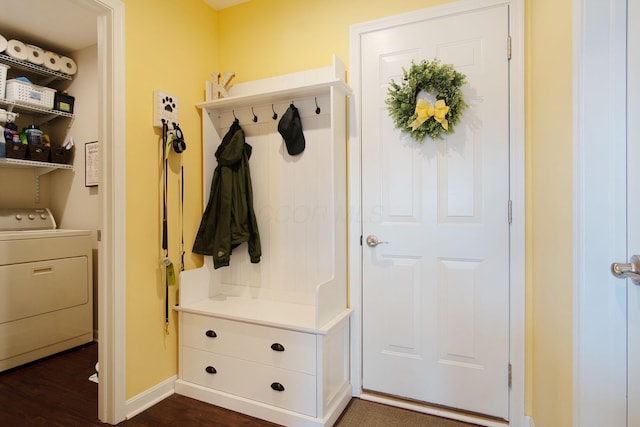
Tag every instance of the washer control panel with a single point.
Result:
(19, 219)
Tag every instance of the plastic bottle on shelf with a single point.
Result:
(11, 132)
(33, 135)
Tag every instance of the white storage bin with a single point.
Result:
(3, 79)
(30, 94)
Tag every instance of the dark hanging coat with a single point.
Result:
(229, 218)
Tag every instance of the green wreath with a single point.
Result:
(417, 116)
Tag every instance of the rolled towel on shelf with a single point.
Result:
(17, 50)
(52, 60)
(35, 54)
(68, 66)
(3, 43)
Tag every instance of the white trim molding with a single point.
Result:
(599, 204)
(112, 279)
(112, 245)
(517, 189)
(150, 397)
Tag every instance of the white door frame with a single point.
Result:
(112, 244)
(599, 320)
(517, 185)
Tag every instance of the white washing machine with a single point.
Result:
(46, 287)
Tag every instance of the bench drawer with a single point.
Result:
(294, 391)
(262, 344)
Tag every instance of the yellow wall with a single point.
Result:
(549, 209)
(171, 46)
(263, 38)
(302, 35)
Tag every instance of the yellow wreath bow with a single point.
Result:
(425, 111)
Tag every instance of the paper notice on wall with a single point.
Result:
(92, 164)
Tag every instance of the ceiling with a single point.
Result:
(73, 28)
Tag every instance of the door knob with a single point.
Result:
(373, 241)
(630, 270)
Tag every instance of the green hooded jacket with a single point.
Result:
(229, 218)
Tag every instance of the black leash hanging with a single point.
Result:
(164, 189)
(171, 139)
(179, 146)
(181, 215)
(169, 272)
(165, 250)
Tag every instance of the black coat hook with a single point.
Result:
(255, 118)
(275, 115)
(234, 114)
(317, 108)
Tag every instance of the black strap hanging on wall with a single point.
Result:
(179, 146)
(169, 272)
(171, 139)
(181, 215)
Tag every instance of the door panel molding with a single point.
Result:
(517, 243)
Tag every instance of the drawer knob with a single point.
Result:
(210, 370)
(276, 346)
(277, 387)
(211, 334)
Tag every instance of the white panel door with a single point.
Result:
(633, 210)
(436, 296)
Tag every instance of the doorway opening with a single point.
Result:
(358, 252)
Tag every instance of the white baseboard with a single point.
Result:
(150, 397)
(265, 411)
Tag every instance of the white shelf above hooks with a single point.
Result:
(282, 88)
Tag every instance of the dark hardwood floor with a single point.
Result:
(56, 392)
